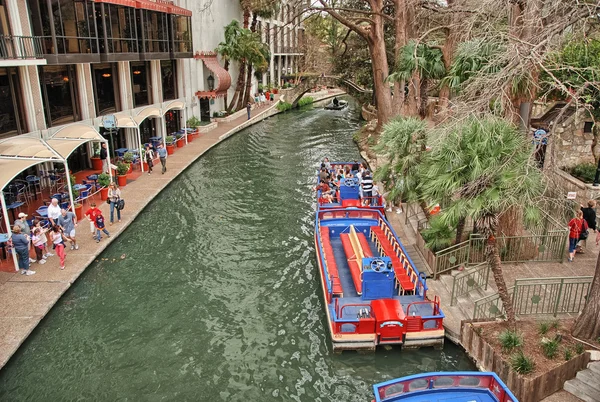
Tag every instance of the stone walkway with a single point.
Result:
(25, 300)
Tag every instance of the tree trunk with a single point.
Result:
(460, 229)
(424, 99)
(448, 51)
(381, 71)
(238, 88)
(400, 26)
(587, 325)
(248, 84)
(226, 67)
(493, 258)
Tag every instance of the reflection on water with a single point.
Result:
(218, 298)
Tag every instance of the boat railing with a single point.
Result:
(360, 324)
(416, 322)
(391, 390)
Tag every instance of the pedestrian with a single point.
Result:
(99, 222)
(23, 224)
(91, 215)
(38, 245)
(589, 214)
(162, 154)
(272, 97)
(58, 243)
(248, 109)
(44, 238)
(540, 141)
(577, 225)
(68, 222)
(263, 99)
(114, 195)
(104, 157)
(53, 211)
(149, 158)
(366, 185)
(268, 96)
(20, 242)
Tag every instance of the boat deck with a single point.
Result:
(458, 395)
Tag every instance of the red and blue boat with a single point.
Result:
(373, 293)
(444, 387)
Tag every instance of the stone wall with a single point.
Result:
(572, 145)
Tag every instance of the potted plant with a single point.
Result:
(193, 123)
(122, 169)
(180, 140)
(103, 181)
(128, 158)
(275, 90)
(78, 206)
(170, 140)
(96, 161)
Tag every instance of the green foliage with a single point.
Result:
(550, 348)
(169, 139)
(96, 150)
(427, 61)
(122, 168)
(403, 145)
(579, 348)
(284, 106)
(510, 340)
(584, 172)
(74, 182)
(356, 137)
(543, 327)
(193, 122)
(243, 44)
(306, 100)
(103, 179)
(472, 58)
(521, 363)
(438, 235)
(128, 157)
(481, 168)
(554, 324)
(568, 354)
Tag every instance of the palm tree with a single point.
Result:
(483, 168)
(229, 49)
(423, 59)
(402, 145)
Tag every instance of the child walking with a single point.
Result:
(44, 238)
(38, 245)
(99, 223)
(58, 242)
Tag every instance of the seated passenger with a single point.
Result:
(323, 175)
(336, 101)
(326, 192)
(327, 163)
(355, 166)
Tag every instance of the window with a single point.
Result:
(155, 27)
(139, 80)
(168, 73)
(120, 26)
(172, 121)
(11, 117)
(183, 34)
(75, 26)
(59, 90)
(106, 88)
(587, 126)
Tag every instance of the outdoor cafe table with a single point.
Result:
(14, 206)
(156, 141)
(121, 151)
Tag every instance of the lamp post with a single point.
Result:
(211, 82)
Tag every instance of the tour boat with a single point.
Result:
(341, 105)
(373, 293)
(463, 386)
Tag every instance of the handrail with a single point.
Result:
(475, 272)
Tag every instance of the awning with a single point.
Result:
(147, 112)
(11, 168)
(224, 79)
(150, 5)
(173, 105)
(77, 131)
(126, 3)
(179, 11)
(26, 147)
(123, 120)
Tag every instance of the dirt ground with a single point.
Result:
(529, 329)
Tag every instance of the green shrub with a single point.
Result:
(438, 235)
(284, 106)
(193, 122)
(543, 327)
(122, 168)
(521, 363)
(128, 157)
(356, 137)
(554, 324)
(169, 139)
(568, 354)
(307, 100)
(584, 172)
(579, 348)
(510, 340)
(550, 348)
(103, 179)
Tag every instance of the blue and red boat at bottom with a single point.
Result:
(373, 293)
(462, 386)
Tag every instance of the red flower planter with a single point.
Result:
(170, 149)
(96, 163)
(181, 142)
(122, 180)
(104, 193)
(79, 211)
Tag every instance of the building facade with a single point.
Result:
(66, 61)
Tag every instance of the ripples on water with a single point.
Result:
(218, 298)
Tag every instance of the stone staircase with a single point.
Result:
(586, 385)
(418, 260)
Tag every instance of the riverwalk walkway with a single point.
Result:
(25, 300)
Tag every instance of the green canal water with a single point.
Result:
(218, 298)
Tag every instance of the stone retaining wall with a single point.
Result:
(526, 389)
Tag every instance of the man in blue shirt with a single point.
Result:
(162, 154)
(540, 141)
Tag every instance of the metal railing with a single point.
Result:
(20, 47)
(537, 296)
(472, 278)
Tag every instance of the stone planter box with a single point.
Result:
(568, 183)
(207, 128)
(526, 389)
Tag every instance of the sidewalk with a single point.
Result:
(25, 300)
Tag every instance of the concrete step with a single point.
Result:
(591, 378)
(582, 390)
(594, 366)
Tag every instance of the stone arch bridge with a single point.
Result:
(308, 82)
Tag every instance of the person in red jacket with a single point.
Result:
(91, 215)
(577, 226)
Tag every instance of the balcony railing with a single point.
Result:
(20, 47)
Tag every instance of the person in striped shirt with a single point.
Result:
(367, 187)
